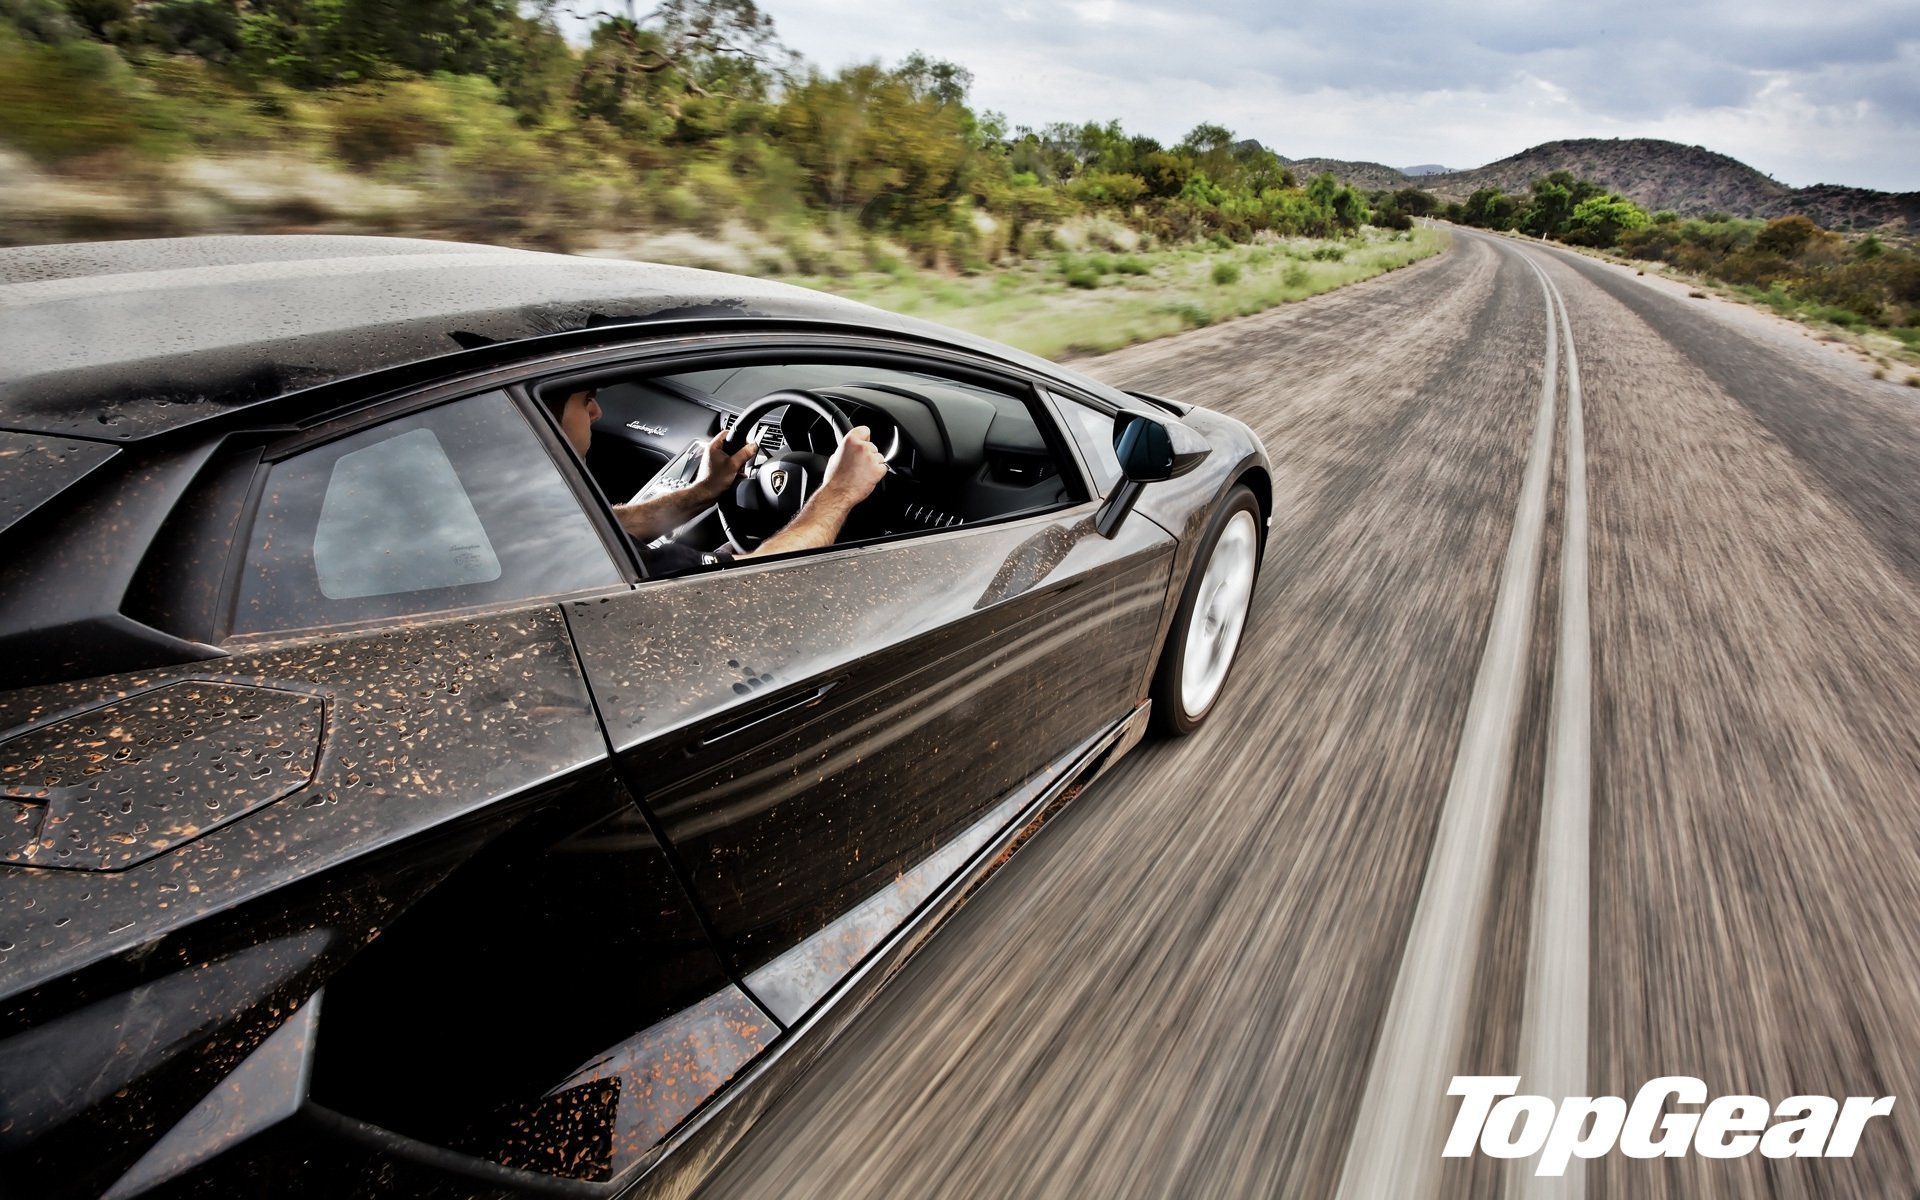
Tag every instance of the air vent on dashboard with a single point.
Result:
(772, 438)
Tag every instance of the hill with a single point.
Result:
(1368, 176)
(1426, 169)
(1690, 180)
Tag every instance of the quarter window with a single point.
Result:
(445, 509)
(1093, 430)
(395, 518)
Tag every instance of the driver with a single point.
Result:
(855, 469)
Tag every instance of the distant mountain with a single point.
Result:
(1690, 180)
(1368, 176)
(1426, 169)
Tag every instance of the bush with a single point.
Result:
(1082, 276)
(1226, 274)
(1195, 316)
(375, 125)
(1599, 221)
(71, 99)
(1786, 236)
(1754, 268)
(1132, 266)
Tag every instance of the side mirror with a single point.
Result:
(1149, 450)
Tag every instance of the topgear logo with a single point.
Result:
(1590, 1126)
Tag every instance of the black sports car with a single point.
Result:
(376, 824)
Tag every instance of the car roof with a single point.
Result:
(117, 341)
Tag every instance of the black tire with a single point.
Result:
(1172, 693)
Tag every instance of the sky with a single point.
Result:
(1809, 91)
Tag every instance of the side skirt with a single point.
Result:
(698, 1149)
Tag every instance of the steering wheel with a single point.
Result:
(770, 491)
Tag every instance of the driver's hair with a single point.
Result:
(555, 398)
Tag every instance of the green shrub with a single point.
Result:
(74, 98)
(1844, 317)
(375, 125)
(1786, 236)
(1329, 253)
(1131, 265)
(1082, 276)
(1192, 315)
(1225, 274)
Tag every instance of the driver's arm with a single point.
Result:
(667, 512)
(855, 469)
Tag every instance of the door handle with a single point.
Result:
(768, 712)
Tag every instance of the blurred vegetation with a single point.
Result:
(476, 118)
(1090, 301)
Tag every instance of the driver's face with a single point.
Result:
(577, 418)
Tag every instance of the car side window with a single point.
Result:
(449, 508)
(961, 447)
(1093, 432)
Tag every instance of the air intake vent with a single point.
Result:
(930, 518)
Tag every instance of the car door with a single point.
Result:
(823, 740)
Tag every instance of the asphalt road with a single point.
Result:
(1245, 963)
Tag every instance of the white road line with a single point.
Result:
(1395, 1148)
(1553, 1047)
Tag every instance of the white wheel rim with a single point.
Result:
(1219, 614)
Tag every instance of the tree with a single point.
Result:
(935, 79)
(1166, 174)
(1415, 202)
(1600, 220)
(877, 147)
(1548, 210)
(1490, 208)
(1210, 147)
(1350, 209)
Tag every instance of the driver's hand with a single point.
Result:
(856, 468)
(718, 469)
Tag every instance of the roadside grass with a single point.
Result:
(1090, 303)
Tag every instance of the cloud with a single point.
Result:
(1808, 92)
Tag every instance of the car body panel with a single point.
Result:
(34, 468)
(424, 723)
(645, 1023)
(859, 670)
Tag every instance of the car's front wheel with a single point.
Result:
(1206, 629)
